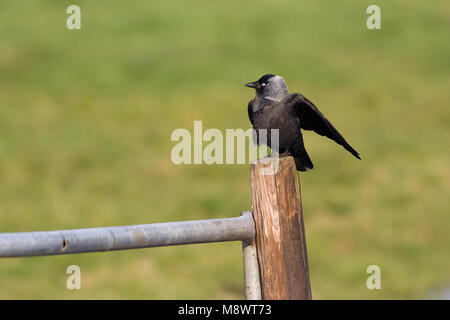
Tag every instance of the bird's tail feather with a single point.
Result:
(351, 150)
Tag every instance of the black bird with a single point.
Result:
(275, 108)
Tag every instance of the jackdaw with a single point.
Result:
(275, 108)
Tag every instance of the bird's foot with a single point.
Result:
(285, 154)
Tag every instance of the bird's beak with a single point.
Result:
(253, 85)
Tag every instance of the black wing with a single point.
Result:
(312, 119)
(250, 111)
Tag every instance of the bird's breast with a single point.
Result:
(277, 117)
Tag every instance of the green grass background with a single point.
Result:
(86, 118)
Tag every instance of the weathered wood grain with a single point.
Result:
(280, 234)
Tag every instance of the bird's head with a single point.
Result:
(270, 86)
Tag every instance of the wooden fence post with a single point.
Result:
(280, 233)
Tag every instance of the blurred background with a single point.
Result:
(86, 118)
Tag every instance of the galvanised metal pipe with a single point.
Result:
(251, 272)
(251, 269)
(20, 244)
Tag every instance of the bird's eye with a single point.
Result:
(263, 84)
